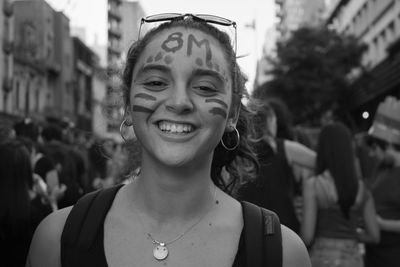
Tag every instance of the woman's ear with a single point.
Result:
(128, 117)
(233, 118)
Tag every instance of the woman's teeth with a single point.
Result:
(175, 127)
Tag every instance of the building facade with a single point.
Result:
(6, 55)
(376, 23)
(84, 62)
(131, 14)
(36, 69)
(114, 34)
(64, 99)
(293, 14)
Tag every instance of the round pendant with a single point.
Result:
(160, 252)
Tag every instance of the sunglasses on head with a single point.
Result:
(197, 17)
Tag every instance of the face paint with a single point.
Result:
(219, 111)
(168, 59)
(137, 108)
(205, 42)
(158, 57)
(199, 62)
(173, 43)
(145, 96)
(149, 59)
(222, 103)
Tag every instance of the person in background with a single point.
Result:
(21, 206)
(384, 141)
(183, 89)
(274, 187)
(334, 200)
(99, 157)
(42, 165)
(65, 163)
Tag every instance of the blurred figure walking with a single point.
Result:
(21, 206)
(274, 187)
(334, 201)
(384, 141)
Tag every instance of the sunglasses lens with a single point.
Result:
(216, 19)
(162, 17)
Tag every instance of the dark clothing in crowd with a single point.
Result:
(386, 194)
(15, 239)
(43, 166)
(61, 155)
(274, 187)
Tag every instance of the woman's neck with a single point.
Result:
(166, 192)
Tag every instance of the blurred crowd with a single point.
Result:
(338, 190)
(48, 167)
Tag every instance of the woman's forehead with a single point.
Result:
(178, 41)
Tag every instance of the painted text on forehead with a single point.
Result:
(202, 48)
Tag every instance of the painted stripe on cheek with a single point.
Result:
(145, 96)
(218, 111)
(137, 108)
(222, 103)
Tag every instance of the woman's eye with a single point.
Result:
(206, 90)
(155, 85)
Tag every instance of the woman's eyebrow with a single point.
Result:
(150, 67)
(206, 72)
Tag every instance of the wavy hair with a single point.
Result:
(240, 163)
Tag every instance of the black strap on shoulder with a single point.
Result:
(85, 220)
(263, 237)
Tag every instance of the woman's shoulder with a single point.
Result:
(324, 189)
(45, 245)
(294, 251)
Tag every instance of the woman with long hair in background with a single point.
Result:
(334, 201)
(21, 206)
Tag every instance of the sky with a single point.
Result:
(92, 16)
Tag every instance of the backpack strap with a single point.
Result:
(84, 222)
(263, 236)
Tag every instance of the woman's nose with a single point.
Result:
(179, 101)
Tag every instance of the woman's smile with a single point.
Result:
(175, 127)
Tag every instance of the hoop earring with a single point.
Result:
(237, 143)
(120, 130)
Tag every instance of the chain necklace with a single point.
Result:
(160, 251)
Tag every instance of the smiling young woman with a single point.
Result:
(183, 90)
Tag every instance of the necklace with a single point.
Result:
(160, 251)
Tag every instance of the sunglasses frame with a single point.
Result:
(212, 19)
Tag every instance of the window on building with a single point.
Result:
(17, 95)
(391, 34)
(27, 98)
(37, 99)
(374, 50)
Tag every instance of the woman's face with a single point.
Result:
(181, 97)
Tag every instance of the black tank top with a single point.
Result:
(94, 255)
(274, 187)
